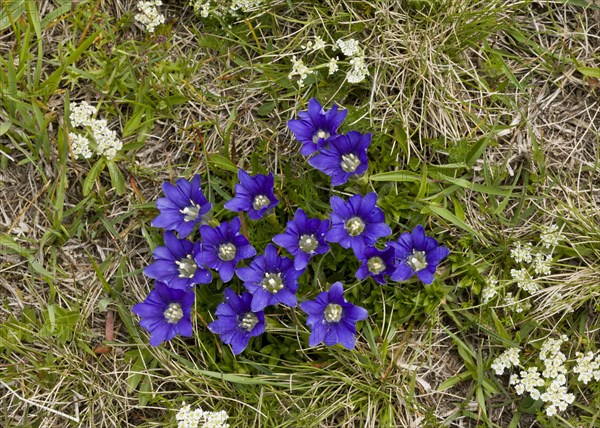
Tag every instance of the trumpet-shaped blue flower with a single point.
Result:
(166, 312)
(345, 155)
(237, 322)
(223, 247)
(316, 125)
(176, 265)
(184, 206)
(253, 194)
(357, 222)
(303, 238)
(332, 319)
(377, 263)
(417, 254)
(271, 279)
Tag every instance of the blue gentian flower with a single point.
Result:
(166, 312)
(417, 254)
(316, 125)
(332, 318)
(176, 265)
(223, 247)
(303, 238)
(345, 155)
(253, 194)
(271, 279)
(237, 322)
(377, 263)
(356, 223)
(184, 206)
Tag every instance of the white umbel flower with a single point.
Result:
(349, 47)
(333, 65)
(550, 236)
(300, 70)
(81, 146)
(81, 114)
(506, 360)
(149, 15)
(522, 253)
(186, 418)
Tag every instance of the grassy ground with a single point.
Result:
(485, 118)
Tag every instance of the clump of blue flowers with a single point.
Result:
(271, 278)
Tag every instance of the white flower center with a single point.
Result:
(355, 226)
(272, 282)
(333, 312)
(417, 260)
(350, 162)
(227, 251)
(260, 202)
(190, 213)
(173, 313)
(376, 265)
(248, 321)
(320, 134)
(308, 243)
(187, 267)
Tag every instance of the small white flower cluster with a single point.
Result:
(149, 15)
(529, 381)
(524, 280)
(490, 291)
(506, 360)
(550, 236)
(522, 253)
(542, 264)
(351, 49)
(81, 146)
(300, 70)
(81, 114)
(553, 379)
(186, 418)
(318, 45)
(515, 305)
(107, 143)
(220, 9)
(587, 367)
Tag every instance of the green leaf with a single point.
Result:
(450, 382)
(222, 162)
(402, 176)
(589, 71)
(266, 108)
(10, 12)
(116, 178)
(447, 215)
(92, 176)
(4, 127)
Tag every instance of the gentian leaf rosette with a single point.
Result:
(166, 312)
(332, 319)
(417, 254)
(316, 125)
(223, 247)
(303, 238)
(183, 207)
(357, 222)
(377, 263)
(236, 321)
(346, 155)
(253, 194)
(271, 279)
(175, 263)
